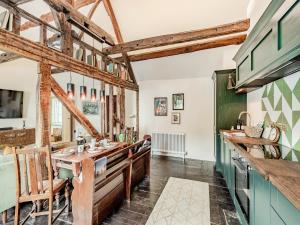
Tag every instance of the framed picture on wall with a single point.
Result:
(90, 108)
(175, 118)
(161, 106)
(178, 101)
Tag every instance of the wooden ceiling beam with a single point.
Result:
(37, 52)
(235, 40)
(90, 15)
(169, 39)
(81, 21)
(110, 11)
(48, 17)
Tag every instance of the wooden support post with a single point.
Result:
(45, 97)
(119, 102)
(43, 113)
(103, 107)
(138, 114)
(67, 40)
(111, 112)
(16, 24)
(43, 34)
(122, 106)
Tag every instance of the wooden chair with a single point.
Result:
(35, 188)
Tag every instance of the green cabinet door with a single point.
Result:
(284, 208)
(260, 199)
(232, 176)
(275, 219)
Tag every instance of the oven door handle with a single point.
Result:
(239, 165)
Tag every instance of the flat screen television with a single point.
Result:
(11, 104)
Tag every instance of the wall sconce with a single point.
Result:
(231, 83)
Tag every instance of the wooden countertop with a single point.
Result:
(284, 175)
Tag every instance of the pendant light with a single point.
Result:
(70, 88)
(83, 90)
(93, 93)
(102, 96)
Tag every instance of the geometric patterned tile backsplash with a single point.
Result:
(281, 103)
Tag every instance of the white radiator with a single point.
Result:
(168, 144)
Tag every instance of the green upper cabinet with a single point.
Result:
(272, 45)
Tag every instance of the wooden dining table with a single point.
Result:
(73, 162)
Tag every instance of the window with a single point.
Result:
(56, 113)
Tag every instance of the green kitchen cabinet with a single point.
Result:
(275, 219)
(259, 200)
(268, 206)
(288, 213)
(272, 48)
(227, 106)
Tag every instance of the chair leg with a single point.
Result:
(50, 210)
(4, 217)
(57, 199)
(17, 214)
(67, 196)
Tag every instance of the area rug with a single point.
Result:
(182, 202)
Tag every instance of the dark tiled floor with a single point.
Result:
(148, 191)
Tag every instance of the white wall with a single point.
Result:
(130, 108)
(255, 9)
(21, 75)
(196, 118)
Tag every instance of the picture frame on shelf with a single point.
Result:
(178, 101)
(175, 118)
(161, 106)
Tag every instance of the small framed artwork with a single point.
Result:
(161, 106)
(175, 118)
(90, 108)
(178, 101)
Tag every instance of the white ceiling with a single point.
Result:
(146, 18)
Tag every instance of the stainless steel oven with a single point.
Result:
(242, 189)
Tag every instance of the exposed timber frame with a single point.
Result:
(37, 52)
(110, 11)
(120, 120)
(169, 39)
(81, 21)
(48, 17)
(235, 40)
